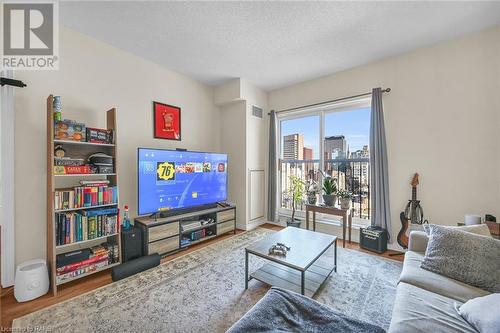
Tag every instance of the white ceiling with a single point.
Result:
(273, 44)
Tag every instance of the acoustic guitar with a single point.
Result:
(413, 214)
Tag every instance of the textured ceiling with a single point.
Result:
(273, 44)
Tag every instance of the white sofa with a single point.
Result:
(425, 301)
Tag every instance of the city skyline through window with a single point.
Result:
(354, 125)
(345, 149)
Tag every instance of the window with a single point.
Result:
(299, 152)
(334, 140)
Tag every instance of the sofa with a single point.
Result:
(426, 301)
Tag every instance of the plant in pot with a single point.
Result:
(312, 190)
(295, 194)
(345, 199)
(330, 191)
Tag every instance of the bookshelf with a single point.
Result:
(55, 182)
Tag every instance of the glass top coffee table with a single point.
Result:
(303, 269)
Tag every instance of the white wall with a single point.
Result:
(257, 138)
(244, 138)
(442, 120)
(94, 77)
(233, 132)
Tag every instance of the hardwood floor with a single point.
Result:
(11, 309)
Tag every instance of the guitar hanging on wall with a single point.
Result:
(413, 214)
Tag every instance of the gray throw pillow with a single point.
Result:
(479, 229)
(463, 256)
(482, 313)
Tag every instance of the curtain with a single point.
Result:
(273, 168)
(381, 212)
(7, 181)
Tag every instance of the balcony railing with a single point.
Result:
(352, 175)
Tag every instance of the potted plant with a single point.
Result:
(295, 194)
(345, 199)
(312, 191)
(330, 191)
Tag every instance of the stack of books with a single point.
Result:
(85, 196)
(102, 256)
(86, 225)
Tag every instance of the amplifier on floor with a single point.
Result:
(373, 239)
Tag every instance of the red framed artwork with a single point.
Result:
(167, 121)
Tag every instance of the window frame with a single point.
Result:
(320, 111)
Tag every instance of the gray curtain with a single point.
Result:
(381, 211)
(273, 167)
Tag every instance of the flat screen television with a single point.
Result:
(174, 179)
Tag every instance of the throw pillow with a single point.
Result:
(479, 229)
(463, 256)
(482, 313)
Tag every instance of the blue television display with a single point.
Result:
(171, 179)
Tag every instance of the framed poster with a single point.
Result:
(167, 121)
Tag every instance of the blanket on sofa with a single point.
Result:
(285, 311)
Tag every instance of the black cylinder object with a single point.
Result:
(135, 266)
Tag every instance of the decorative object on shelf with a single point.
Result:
(57, 107)
(345, 199)
(100, 135)
(102, 161)
(471, 219)
(59, 151)
(312, 190)
(32, 280)
(126, 218)
(167, 121)
(294, 193)
(69, 130)
(330, 191)
(279, 249)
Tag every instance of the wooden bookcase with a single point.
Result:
(76, 149)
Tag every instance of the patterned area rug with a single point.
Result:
(203, 291)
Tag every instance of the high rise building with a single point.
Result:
(361, 169)
(307, 153)
(293, 147)
(309, 168)
(335, 147)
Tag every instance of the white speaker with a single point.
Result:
(31, 281)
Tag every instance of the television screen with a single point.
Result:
(171, 179)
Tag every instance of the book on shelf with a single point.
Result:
(85, 225)
(85, 196)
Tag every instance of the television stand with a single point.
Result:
(169, 234)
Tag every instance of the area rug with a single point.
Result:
(203, 291)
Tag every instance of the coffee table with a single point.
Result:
(303, 270)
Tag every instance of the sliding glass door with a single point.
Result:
(333, 140)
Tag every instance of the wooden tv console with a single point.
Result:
(164, 235)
